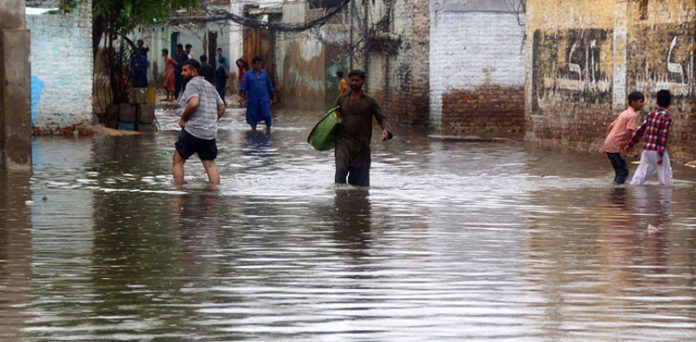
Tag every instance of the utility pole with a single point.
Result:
(350, 45)
(15, 88)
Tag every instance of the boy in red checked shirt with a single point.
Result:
(656, 130)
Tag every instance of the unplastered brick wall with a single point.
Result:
(477, 72)
(61, 62)
(584, 56)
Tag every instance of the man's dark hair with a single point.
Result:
(165, 51)
(192, 63)
(339, 73)
(664, 98)
(635, 96)
(188, 46)
(204, 59)
(357, 72)
(219, 49)
(256, 58)
(179, 46)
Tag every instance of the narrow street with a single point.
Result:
(453, 242)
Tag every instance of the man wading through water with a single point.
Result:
(202, 107)
(353, 136)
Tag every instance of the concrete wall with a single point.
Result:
(584, 56)
(306, 62)
(397, 60)
(61, 58)
(15, 99)
(476, 69)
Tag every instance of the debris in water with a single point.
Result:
(44, 198)
(652, 228)
(29, 203)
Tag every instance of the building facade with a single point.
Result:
(477, 67)
(584, 57)
(61, 65)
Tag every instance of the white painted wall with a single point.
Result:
(470, 49)
(61, 59)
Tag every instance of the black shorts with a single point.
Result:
(187, 145)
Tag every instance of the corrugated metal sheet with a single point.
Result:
(500, 6)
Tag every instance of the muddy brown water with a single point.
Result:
(453, 242)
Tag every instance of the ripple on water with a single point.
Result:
(453, 241)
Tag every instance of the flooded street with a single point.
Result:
(454, 241)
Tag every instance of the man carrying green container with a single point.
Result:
(354, 133)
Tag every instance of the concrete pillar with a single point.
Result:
(15, 88)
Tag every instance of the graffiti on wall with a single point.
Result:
(567, 65)
(662, 58)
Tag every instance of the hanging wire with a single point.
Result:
(222, 15)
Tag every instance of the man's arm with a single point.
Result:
(271, 90)
(662, 140)
(191, 107)
(638, 134)
(381, 120)
(245, 86)
(221, 110)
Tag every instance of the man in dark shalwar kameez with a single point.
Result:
(353, 136)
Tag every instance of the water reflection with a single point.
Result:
(352, 221)
(603, 269)
(454, 241)
(16, 254)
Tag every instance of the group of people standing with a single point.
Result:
(175, 83)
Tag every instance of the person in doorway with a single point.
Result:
(201, 109)
(342, 83)
(207, 70)
(180, 58)
(188, 51)
(169, 77)
(221, 74)
(619, 133)
(220, 59)
(257, 88)
(654, 158)
(353, 136)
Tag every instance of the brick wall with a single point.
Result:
(61, 58)
(584, 56)
(477, 72)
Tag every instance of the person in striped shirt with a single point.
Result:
(201, 108)
(655, 131)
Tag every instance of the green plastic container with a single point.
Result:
(323, 135)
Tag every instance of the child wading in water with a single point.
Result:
(619, 134)
(656, 130)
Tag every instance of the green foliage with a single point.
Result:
(68, 5)
(121, 16)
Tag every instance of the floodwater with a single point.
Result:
(453, 242)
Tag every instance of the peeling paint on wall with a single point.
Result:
(585, 56)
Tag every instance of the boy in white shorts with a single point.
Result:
(656, 130)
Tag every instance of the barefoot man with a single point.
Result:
(202, 108)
